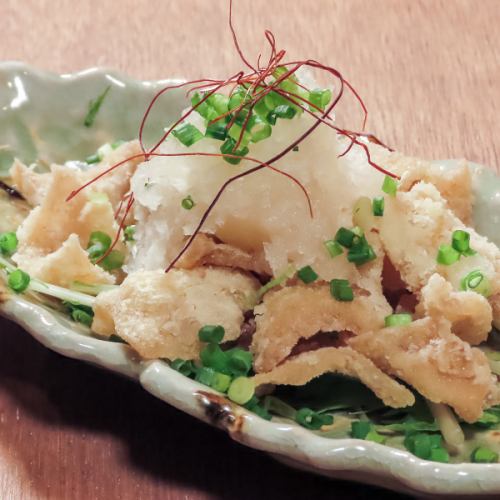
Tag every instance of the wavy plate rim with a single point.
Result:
(375, 463)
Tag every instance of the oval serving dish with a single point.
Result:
(41, 118)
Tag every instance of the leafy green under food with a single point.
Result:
(80, 313)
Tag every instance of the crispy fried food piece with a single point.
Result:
(454, 184)
(415, 224)
(49, 225)
(115, 184)
(302, 368)
(57, 229)
(206, 251)
(69, 263)
(160, 314)
(32, 185)
(495, 305)
(297, 312)
(439, 365)
(470, 313)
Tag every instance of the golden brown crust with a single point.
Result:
(470, 314)
(297, 312)
(439, 365)
(160, 314)
(302, 368)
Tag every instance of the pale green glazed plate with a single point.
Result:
(41, 118)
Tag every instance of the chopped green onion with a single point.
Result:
(483, 455)
(259, 129)
(211, 333)
(398, 319)
(187, 203)
(235, 132)
(129, 233)
(117, 143)
(312, 420)
(95, 158)
(333, 248)
(261, 109)
(447, 255)
(18, 281)
(205, 375)
(113, 261)
(240, 361)
(212, 356)
(285, 111)
(439, 455)
(227, 148)
(460, 241)
(94, 107)
(210, 377)
(271, 118)
(389, 186)
(241, 390)
(341, 290)
(187, 134)
(477, 282)
(186, 368)
(216, 130)
(307, 274)
(295, 149)
(219, 102)
(236, 99)
(274, 100)
(98, 245)
(320, 98)
(378, 206)
(345, 237)
(204, 109)
(242, 116)
(220, 382)
(361, 252)
(8, 243)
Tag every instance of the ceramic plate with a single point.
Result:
(41, 116)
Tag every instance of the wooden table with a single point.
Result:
(429, 72)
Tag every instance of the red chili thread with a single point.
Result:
(255, 79)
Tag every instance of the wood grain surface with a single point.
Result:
(429, 72)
